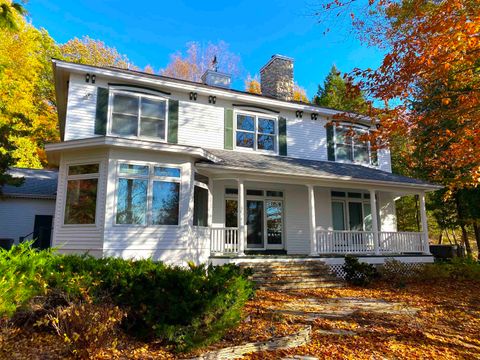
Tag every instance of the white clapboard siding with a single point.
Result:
(17, 215)
(306, 138)
(388, 217)
(201, 125)
(80, 238)
(81, 108)
(384, 160)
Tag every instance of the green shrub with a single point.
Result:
(187, 307)
(22, 276)
(359, 273)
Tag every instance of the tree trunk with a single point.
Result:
(461, 219)
(417, 213)
(466, 242)
(476, 230)
(440, 238)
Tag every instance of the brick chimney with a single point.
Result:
(276, 77)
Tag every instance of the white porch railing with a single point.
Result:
(224, 240)
(343, 242)
(401, 242)
(363, 242)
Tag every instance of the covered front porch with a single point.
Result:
(260, 204)
(253, 217)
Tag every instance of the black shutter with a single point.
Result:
(101, 114)
(173, 121)
(282, 136)
(330, 143)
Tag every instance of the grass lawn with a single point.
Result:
(439, 321)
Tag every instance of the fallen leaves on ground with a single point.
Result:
(434, 321)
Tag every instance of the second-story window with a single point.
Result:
(256, 132)
(349, 146)
(138, 115)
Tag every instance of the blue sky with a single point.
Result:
(149, 31)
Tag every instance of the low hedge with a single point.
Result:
(187, 307)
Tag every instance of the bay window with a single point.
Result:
(138, 115)
(147, 195)
(81, 194)
(256, 132)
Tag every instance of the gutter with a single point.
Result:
(427, 187)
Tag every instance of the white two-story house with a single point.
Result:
(151, 166)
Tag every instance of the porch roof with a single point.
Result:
(289, 166)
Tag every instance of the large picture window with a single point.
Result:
(147, 195)
(349, 146)
(256, 132)
(138, 115)
(81, 195)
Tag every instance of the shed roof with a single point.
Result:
(38, 184)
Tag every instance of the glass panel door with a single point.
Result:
(355, 216)
(255, 229)
(231, 213)
(274, 219)
(338, 215)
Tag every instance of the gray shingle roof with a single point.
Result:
(38, 183)
(284, 165)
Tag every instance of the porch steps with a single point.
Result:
(291, 275)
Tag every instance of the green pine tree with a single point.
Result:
(334, 94)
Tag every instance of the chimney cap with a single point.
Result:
(275, 57)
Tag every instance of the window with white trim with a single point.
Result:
(256, 132)
(137, 115)
(81, 194)
(147, 194)
(349, 147)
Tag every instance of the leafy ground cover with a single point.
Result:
(436, 320)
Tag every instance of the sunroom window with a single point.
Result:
(138, 115)
(349, 146)
(81, 197)
(147, 195)
(256, 132)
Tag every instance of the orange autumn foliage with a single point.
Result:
(429, 80)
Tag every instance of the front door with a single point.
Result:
(264, 220)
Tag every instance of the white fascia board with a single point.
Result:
(200, 89)
(391, 185)
(129, 144)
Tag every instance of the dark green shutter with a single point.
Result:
(330, 143)
(282, 136)
(101, 114)
(173, 121)
(228, 129)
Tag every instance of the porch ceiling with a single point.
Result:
(236, 161)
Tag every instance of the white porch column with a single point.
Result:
(423, 217)
(241, 217)
(312, 220)
(375, 229)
